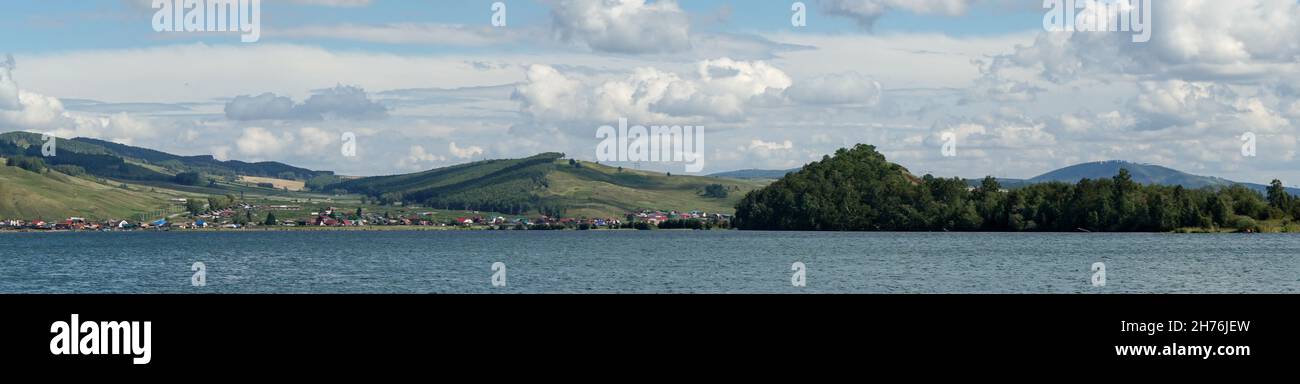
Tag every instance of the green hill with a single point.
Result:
(548, 183)
(205, 164)
(858, 190)
(53, 196)
(123, 162)
(1142, 173)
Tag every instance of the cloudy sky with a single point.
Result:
(426, 84)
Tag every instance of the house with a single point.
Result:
(72, 223)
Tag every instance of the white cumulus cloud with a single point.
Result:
(464, 153)
(721, 88)
(623, 26)
(866, 12)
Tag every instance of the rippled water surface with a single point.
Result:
(645, 262)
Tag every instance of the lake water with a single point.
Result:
(645, 262)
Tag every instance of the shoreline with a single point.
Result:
(1180, 231)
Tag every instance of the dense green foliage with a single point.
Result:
(717, 191)
(70, 170)
(33, 164)
(217, 203)
(194, 206)
(319, 183)
(1141, 173)
(858, 190)
(188, 178)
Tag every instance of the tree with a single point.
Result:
(1278, 196)
(716, 191)
(194, 206)
(33, 164)
(270, 219)
(989, 202)
(188, 178)
(217, 203)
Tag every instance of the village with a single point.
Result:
(247, 216)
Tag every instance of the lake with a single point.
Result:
(646, 262)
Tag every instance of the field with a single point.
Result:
(291, 185)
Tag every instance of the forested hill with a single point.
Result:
(858, 190)
(123, 162)
(1141, 173)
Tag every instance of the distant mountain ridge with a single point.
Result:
(1141, 173)
(118, 161)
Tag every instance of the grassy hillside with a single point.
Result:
(206, 164)
(548, 183)
(122, 162)
(52, 195)
(598, 190)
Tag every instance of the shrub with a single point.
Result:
(1243, 223)
(188, 178)
(33, 164)
(69, 169)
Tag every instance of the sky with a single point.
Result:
(427, 84)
